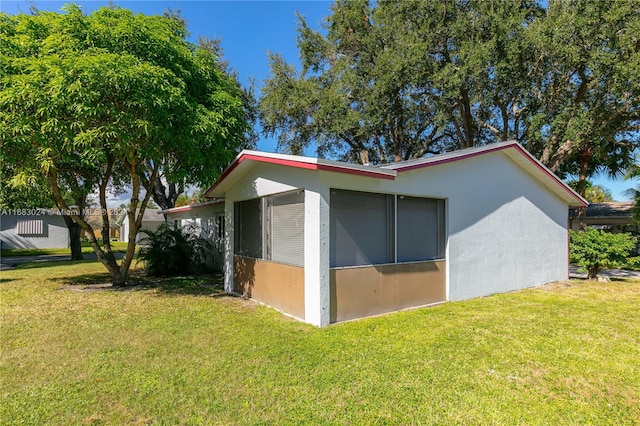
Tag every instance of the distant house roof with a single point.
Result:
(150, 215)
(192, 206)
(617, 209)
(512, 149)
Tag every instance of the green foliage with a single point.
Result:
(113, 99)
(593, 193)
(595, 249)
(588, 110)
(633, 174)
(174, 251)
(392, 80)
(633, 263)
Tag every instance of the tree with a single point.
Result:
(586, 82)
(594, 249)
(390, 81)
(399, 80)
(593, 193)
(633, 173)
(116, 98)
(171, 183)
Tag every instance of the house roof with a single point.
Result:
(192, 206)
(616, 209)
(512, 149)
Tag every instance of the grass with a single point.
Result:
(116, 246)
(178, 351)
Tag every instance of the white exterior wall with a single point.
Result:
(505, 230)
(146, 224)
(204, 214)
(55, 233)
(263, 180)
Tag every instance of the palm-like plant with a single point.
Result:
(633, 173)
(174, 251)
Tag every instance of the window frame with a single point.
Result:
(266, 227)
(393, 234)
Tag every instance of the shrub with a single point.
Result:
(594, 249)
(633, 263)
(174, 251)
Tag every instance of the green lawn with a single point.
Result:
(75, 353)
(116, 246)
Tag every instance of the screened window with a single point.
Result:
(248, 229)
(361, 228)
(420, 230)
(271, 228)
(285, 228)
(364, 229)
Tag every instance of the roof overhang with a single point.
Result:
(515, 152)
(247, 159)
(512, 149)
(191, 206)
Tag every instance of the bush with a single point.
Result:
(633, 263)
(170, 251)
(593, 250)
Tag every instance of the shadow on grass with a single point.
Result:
(50, 263)
(7, 280)
(201, 285)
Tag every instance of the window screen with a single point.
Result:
(285, 228)
(361, 228)
(420, 229)
(30, 227)
(248, 228)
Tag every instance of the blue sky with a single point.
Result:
(248, 30)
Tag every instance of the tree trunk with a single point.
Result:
(592, 273)
(118, 278)
(581, 188)
(75, 231)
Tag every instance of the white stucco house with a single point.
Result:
(33, 231)
(151, 220)
(326, 241)
(206, 218)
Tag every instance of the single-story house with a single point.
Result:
(151, 220)
(206, 218)
(33, 231)
(327, 241)
(615, 216)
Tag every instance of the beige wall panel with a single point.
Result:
(275, 284)
(365, 291)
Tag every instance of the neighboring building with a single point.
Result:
(206, 218)
(151, 220)
(615, 216)
(327, 241)
(33, 231)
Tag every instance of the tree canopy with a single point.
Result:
(113, 99)
(389, 81)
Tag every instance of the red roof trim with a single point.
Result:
(318, 166)
(299, 165)
(452, 158)
(190, 207)
(548, 173)
(495, 149)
